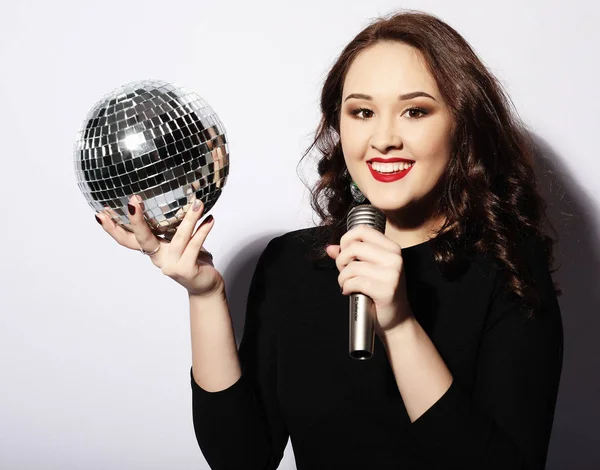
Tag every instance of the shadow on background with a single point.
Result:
(575, 440)
(237, 280)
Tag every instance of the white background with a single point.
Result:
(94, 340)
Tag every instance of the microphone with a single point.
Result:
(362, 309)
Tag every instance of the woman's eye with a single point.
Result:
(356, 112)
(417, 110)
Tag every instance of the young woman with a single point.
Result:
(468, 351)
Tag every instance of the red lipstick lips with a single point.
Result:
(392, 176)
(390, 160)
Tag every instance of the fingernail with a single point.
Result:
(197, 205)
(98, 219)
(207, 220)
(131, 209)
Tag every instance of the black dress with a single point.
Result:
(298, 380)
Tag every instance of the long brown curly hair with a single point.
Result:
(489, 192)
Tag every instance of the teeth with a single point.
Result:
(390, 167)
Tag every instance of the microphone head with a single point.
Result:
(366, 214)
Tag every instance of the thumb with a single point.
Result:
(333, 251)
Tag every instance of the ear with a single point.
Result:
(333, 251)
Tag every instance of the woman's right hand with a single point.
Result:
(181, 259)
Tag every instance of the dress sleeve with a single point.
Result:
(242, 426)
(506, 422)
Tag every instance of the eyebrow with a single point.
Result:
(406, 96)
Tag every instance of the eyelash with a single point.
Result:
(358, 110)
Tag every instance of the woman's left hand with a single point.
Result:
(370, 263)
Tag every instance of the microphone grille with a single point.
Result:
(366, 214)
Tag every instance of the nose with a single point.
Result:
(385, 136)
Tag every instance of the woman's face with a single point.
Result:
(377, 123)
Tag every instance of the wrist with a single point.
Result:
(212, 306)
(216, 297)
(217, 293)
(407, 327)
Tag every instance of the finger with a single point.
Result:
(121, 236)
(366, 233)
(362, 277)
(192, 251)
(143, 235)
(180, 240)
(367, 252)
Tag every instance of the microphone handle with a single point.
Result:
(362, 308)
(362, 326)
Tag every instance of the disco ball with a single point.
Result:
(157, 140)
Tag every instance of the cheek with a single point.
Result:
(351, 139)
(430, 143)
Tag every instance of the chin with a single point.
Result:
(387, 199)
(395, 205)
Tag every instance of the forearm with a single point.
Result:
(421, 374)
(215, 361)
